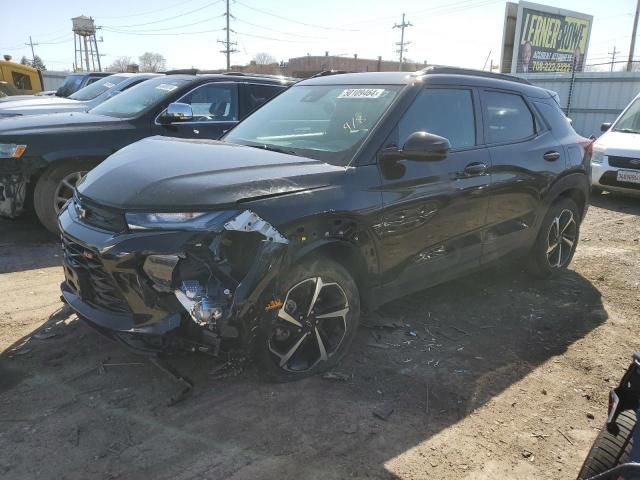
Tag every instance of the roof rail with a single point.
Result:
(181, 71)
(326, 73)
(472, 72)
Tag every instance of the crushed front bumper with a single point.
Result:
(108, 283)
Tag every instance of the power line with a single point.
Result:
(323, 27)
(155, 10)
(402, 43)
(167, 18)
(267, 38)
(275, 30)
(164, 33)
(108, 29)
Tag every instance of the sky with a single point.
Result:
(463, 33)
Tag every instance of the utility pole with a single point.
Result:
(31, 44)
(402, 43)
(613, 56)
(228, 43)
(633, 38)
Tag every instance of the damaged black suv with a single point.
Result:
(340, 194)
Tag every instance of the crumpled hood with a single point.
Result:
(168, 174)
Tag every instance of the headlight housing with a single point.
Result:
(11, 150)
(176, 220)
(598, 155)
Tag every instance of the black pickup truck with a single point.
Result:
(42, 157)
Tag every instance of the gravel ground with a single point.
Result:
(492, 376)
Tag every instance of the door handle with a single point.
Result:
(474, 169)
(551, 156)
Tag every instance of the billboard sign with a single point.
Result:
(549, 39)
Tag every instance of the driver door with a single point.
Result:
(434, 211)
(215, 110)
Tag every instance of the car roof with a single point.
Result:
(436, 75)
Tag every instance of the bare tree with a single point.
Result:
(152, 62)
(120, 64)
(263, 58)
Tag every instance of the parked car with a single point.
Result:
(342, 193)
(615, 453)
(45, 155)
(72, 83)
(616, 154)
(76, 81)
(24, 78)
(81, 101)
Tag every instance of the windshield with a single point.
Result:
(70, 85)
(97, 88)
(630, 120)
(325, 122)
(136, 99)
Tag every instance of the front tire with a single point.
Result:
(557, 239)
(55, 186)
(610, 450)
(313, 329)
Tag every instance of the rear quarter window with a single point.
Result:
(555, 117)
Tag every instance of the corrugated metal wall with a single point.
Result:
(52, 80)
(597, 96)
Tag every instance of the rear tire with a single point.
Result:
(610, 450)
(54, 185)
(292, 344)
(557, 239)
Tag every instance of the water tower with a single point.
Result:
(85, 43)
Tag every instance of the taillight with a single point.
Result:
(587, 144)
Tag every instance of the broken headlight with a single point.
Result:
(11, 150)
(175, 221)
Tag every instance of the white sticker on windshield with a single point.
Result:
(166, 87)
(109, 84)
(361, 93)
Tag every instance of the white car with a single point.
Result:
(615, 163)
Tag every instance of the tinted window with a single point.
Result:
(259, 94)
(213, 102)
(71, 84)
(442, 111)
(507, 117)
(21, 81)
(555, 117)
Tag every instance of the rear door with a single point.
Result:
(434, 211)
(525, 158)
(254, 95)
(215, 110)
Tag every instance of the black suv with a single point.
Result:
(340, 194)
(43, 156)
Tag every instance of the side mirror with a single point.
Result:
(177, 112)
(425, 146)
(605, 126)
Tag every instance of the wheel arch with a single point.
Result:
(574, 186)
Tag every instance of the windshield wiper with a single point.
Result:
(273, 148)
(626, 130)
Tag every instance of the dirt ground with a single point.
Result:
(491, 376)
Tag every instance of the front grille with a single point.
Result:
(86, 275)
(611, 179)
(625, 162)
(104, 218)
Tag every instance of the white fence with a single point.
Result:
(597, 97)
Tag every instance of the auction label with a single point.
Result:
(361, 93)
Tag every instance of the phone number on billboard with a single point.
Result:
(550, 67)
